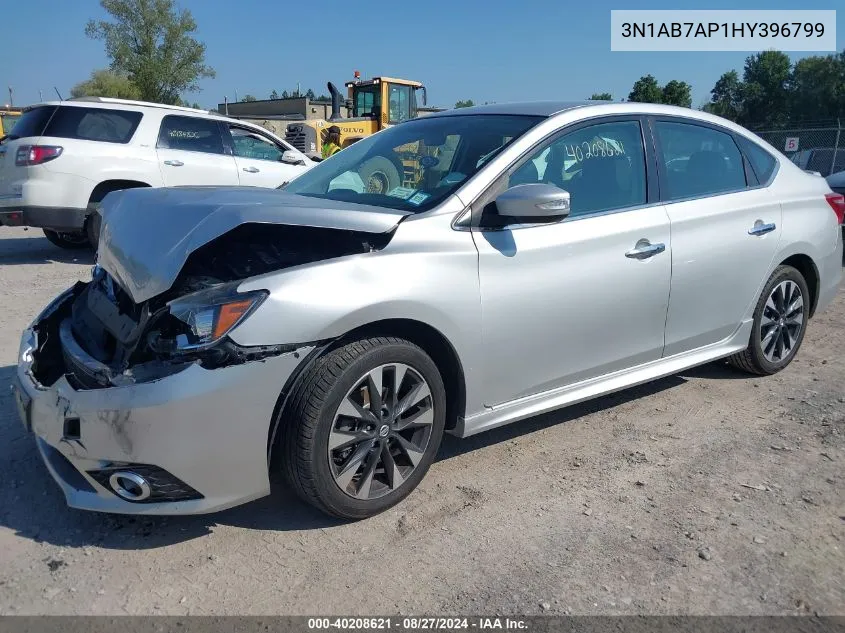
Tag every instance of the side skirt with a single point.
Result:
(537, 404)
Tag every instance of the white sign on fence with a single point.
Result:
(791, 144)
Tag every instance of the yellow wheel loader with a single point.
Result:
(375, 104)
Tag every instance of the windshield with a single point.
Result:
(415, 165)
(32, 122)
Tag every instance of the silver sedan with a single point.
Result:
(453, 273)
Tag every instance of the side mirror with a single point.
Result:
(290, 158)
(534, 201)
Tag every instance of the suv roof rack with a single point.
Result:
(146, 104)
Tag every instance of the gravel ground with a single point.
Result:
(710, 492)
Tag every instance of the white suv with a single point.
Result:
(63, 157)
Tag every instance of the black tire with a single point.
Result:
(92, 225)
(380, 175)
(753, 359)
(310, 417)
(70, 240)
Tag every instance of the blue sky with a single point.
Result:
(461, 49)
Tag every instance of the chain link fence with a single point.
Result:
(819, 148)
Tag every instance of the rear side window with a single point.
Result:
(190, 134)
(761, 161)
(698, 160)
(32, 122)
(93, 124)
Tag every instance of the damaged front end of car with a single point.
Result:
(98, 336)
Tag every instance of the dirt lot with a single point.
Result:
(708, 492)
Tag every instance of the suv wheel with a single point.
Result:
(68, 239)
(364, 425)
(780, 320)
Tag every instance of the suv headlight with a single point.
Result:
(211, 314)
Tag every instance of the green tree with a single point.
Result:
(249, 98)
(646, 90)
(766, 96)
(151, 43)
(677, 93)
(601, 96)
(285, 94)
(106, 83)
(323, 97)
(726, 98)
(467, 103)
(817, 87)
(310, 94)
(274, 95)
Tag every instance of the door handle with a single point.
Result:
(761, 229)
(645, 249)
(174, 163)
(251, 170)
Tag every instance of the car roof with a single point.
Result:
(525, 108)
(110, 102)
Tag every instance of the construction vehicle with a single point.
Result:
(8, 118)
(374, 104)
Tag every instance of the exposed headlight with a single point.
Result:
(210, 314)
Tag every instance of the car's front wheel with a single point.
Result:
(780, 320)
(363, 426)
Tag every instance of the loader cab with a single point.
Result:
(389, 101)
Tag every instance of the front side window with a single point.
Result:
(249, 144)
(400, 103)
(191, 134)
(698, 160)
(602, 167)
(415, 165)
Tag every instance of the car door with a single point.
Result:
(191, 151)
(724, 231)
(571, 300)
(259, 159)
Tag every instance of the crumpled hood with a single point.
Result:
(148, 234)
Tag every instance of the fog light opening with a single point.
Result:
(129, 486)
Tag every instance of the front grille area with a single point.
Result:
(163, 486)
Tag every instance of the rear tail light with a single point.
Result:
(28, 155)
(837, 203)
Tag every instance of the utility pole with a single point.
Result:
(236, 96)
(41, 95)
(11, 97)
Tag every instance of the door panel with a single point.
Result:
(724, 235)
(190, 152)
(717, 266)
(258, 160)
(563, 303)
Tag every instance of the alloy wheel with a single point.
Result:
(781, 322)
(380, 431)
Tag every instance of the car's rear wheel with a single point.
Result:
(67, 239)
(780, 320)
(364, 425)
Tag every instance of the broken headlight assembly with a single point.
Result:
(202, 319)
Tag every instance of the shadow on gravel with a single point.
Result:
(37, 250)
(32, 505)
